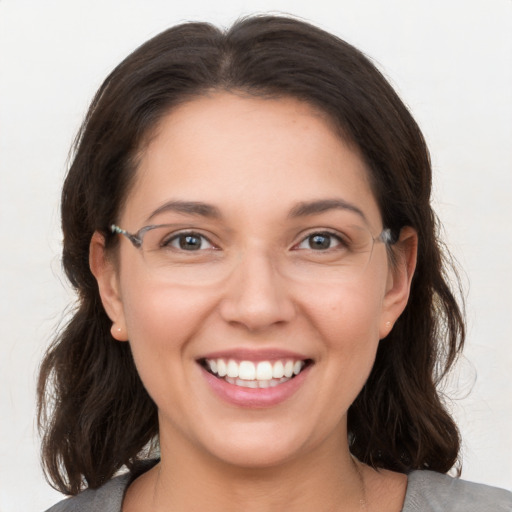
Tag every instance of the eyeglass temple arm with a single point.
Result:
(388, 236)
(134, 239)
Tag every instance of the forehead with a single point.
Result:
(246, 153)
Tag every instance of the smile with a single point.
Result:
(250, 374)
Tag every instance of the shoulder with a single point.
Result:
(428, 491)
(108, 498)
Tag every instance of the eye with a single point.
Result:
(188, 242)
(320, 241)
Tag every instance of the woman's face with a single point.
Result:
(255, 278)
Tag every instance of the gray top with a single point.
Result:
(426, 492)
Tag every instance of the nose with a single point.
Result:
(256, 297)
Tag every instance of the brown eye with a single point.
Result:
(320, 241)
(188, 242)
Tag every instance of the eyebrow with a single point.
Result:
(314, 207)
(188, 208)
(302, 209)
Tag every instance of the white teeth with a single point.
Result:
(278, 370)
(247, 370)
(213, 365)
(246, 383)
(288, 369)
(256, 383)
(232, 369)
(253, 375)
(222, 370)
(264, 370)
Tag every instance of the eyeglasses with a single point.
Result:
(193, 255)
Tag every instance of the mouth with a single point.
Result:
(255, 374)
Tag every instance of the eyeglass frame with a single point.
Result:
(386, 236)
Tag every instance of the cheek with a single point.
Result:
(157, 312)
(347, 312)
(160, 315)
(162, 323)
(347, 318)
(160, 320)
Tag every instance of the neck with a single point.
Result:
(323, 480)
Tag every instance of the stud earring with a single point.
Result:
(116, 332)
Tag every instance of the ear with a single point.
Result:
(400, 275)
(106, 275)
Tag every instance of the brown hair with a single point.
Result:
(94, 412)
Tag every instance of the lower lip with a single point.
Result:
(255, 398)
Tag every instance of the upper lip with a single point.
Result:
(244, 354)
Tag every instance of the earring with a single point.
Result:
(116, 332)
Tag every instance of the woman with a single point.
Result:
(262, 294)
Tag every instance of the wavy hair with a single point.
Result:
(94, 412)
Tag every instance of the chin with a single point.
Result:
(256, 446)
(257, 456)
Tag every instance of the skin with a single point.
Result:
(258, 289)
